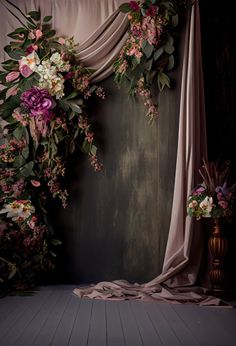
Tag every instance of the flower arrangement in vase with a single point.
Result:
(215, 199)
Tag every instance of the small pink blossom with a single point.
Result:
(31, 35)
(12, 76)
(223, 204)
(38, 34)
(61, 40)
(35, 183)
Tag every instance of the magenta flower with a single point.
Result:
(152, 11)
(134, 6)
(38, 102)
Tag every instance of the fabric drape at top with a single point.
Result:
(97, 26)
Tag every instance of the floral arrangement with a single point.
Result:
(213, 198)
(148, 54)
(44, 93)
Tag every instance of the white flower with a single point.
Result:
(12, 209)
(206, 205)
(31, 60)
(56, 59)
(18, 210)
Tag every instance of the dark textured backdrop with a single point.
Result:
(117, 221)
(219, 67)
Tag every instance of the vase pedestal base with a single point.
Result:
(224, 294)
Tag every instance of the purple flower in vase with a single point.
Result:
(198, 191)
(222, 190)
(38, 102)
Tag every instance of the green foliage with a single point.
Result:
(149, 49)
(43, 120)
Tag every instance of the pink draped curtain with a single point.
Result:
(101, 31)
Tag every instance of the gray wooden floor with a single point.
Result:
(54, 316)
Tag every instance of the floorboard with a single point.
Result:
(53, 315)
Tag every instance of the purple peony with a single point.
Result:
(38, 102)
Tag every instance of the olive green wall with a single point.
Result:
(117, 221)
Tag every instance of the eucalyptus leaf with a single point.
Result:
(64, 105)
(148, 64)
(72, 146)
(75, 107)
(76, 133)
(6, 109)
(171, 62)
(163, 80)
(36, 15)
(93, 88)
(50, 33)
(169, 45)
(25, 152)
(70, 96)
(148, 50)
(86, 146)
(158, 53)
(27, 169)
(18, 132)
(31, 25)
(175, 20)
(125, 8)
(71, 115)
(143, 11)
(3, 94)
(26, 134)
(55, 242)
(13, 271)
(47, 19)
(93, 150)
(56, 138)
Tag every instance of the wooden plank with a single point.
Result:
(33, 328)
(50, 325)
(204, 325)
(148, 333)
(227, 319)
(115, 334)
(161, 324)
(182, 332)
(130, 329)
(64, 328)
(22, 318)
(80, 330)
(97, 331)
(8, 305)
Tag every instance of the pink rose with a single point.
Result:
(38, 34)
(25, 70)
(31, 35)
(12, 91)
(12, 76)
(61, 40)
